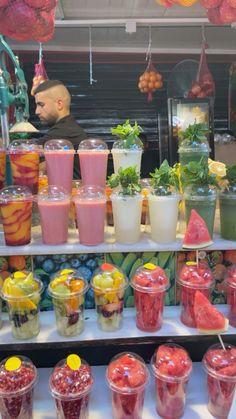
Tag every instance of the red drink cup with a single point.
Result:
(231, 294)
(93, 156)
(127, 377)
(192, 278)
(24, 160)
(70, 383)
(59, 156)
(171, 366)
(150, 283)
(220, 366)
(54, 207)
(17, 379)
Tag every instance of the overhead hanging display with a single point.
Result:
(204, 85)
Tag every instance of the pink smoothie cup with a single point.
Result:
(192, 278)
(54, 206)
(90, 210)
(93, 156)
(17, 380)
(230, 278)
(149, 283)
(59, 156)
(171, 367)
(127, 377)
(71, 383)
(24, 160)
(220, 366)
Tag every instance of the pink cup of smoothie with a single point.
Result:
(93, 155)
(90, 209)
(231, 293)
(54, 207)
(59, 156)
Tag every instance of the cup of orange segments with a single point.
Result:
(67, 290)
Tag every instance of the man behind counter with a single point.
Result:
(53, 109)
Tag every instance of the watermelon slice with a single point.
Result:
(209, 320)
(197, 234)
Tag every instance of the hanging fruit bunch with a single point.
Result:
(150, 81)
(220, 12)
(204, 85)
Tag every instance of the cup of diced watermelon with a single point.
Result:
(230, 278)
(127, 377)
(193, 277)
(71, 384)
(220, 366)
(150, 283)
(171, 366)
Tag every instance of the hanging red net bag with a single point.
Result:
(40, 75)
(150, 81)
(28, 19)
(204, 86)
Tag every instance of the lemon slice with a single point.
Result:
(217, 168)
(19, 275)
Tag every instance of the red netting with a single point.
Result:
(40, 76)
(150, 81)
(204, 86)
(25, 20)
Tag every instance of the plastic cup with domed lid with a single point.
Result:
(24, 161)
(2, 164)
(54, 206)
(59, 156)
(127, 154)
(18, 376)
(71, 383)
(16, 213)
(90, 210)
(93, 156)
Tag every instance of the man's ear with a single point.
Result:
(60, 104)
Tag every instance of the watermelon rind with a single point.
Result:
(214, 331)
(197, 246)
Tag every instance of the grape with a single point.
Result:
(84, 272)
(75, 263)
(48, 266)
(91, 264)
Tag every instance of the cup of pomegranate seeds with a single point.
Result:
(17, 379)
(71, 383)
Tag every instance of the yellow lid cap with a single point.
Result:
(150, 266)
(73, 361)
(13, 363)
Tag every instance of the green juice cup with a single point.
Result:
(228, 215)
(193, 152)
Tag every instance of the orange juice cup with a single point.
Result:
(16, 213)
(24, 160)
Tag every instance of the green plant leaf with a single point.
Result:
(164, 178)
(128, 179)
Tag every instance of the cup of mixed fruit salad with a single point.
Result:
(17, 379)
(70, 384)
(109, 284)
(220, 366)
(150, 283)
(193, 277)
(22, 292)
(127, 377)
(230, 279)
(67, 290)
(171, 367)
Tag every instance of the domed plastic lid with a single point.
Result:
(15, 193)
(89, 192)
(127, 373)
(71, 377)
(195, 275)
(230, 276)
(150, 278)
(172, 362)
(108, 278)
(132, 145)
(22, 146)
(21, 286)
(58, 145)
(17, 375)
(221, 363)
(53, 193)
(67, 285)
(92, 144)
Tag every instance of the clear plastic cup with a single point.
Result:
(220, 366)
(150, 283)
(17, 380)
(54, 206)
(230, 278)
(67, 290)
(22, 291)
(93, 155)
(71, 384)
(24, 160)
(193, 277)
(90, 210)
(59, 156)
(127, 377)
(16, 213)
(109, 284)
(171, 367)
(125, 154)
(2, 165)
